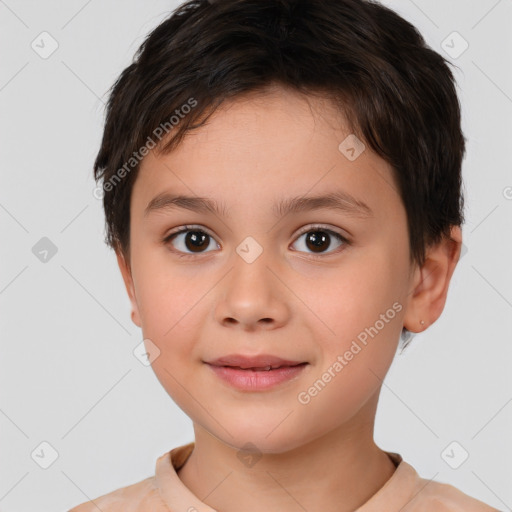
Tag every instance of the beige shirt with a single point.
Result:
(405, 491)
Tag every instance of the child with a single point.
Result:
(282, 187)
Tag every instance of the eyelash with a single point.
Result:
(313, 227)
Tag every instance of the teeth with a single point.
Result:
(264, 368)
(254, 369)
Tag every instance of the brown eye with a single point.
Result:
(318, 240)
(196, 241)
(189, 241)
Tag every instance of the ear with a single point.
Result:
(430, 282)
(130, 288)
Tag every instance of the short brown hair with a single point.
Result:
(398, 94)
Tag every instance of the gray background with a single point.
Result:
(68, 376)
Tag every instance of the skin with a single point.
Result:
(256, 150)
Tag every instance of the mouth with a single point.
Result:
(255, 378)
(262, 362)
(262, 368)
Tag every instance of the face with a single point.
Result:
(323, 285)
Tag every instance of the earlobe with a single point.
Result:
(125, 269)
(431, 282)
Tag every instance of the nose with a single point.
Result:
(251, 297)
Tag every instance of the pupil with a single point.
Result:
(317, 238)
(197, 240)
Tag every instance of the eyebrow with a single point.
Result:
(336, 200)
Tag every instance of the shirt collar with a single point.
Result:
(394, 494)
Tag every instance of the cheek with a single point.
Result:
(356, 358)
(166, 294)
(364, 314)
(172, 309)
(357, 297)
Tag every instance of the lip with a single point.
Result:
(239, 371)
(259, 361)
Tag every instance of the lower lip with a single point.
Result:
(250, 380)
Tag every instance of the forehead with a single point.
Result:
(266, 146)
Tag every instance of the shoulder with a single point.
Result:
(409, 492)
(443, 497)
(137, 497)
(145, 495)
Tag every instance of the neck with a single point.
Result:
(345, 468)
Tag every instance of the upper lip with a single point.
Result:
(259, 361)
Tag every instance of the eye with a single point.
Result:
(318, 239)
(190, 238)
